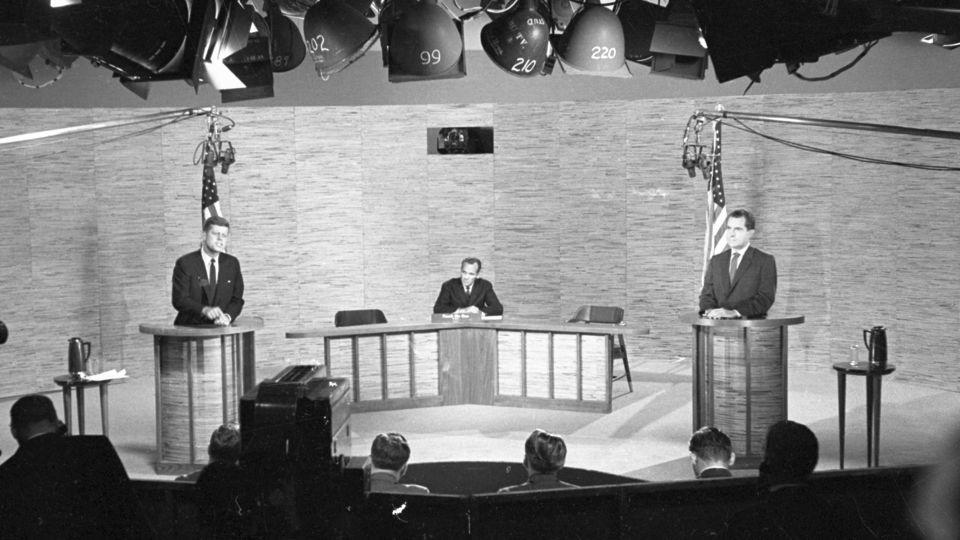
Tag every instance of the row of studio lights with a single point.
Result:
(424, 40)
(237, 45)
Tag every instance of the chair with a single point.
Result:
(358, 317)
(608, 315)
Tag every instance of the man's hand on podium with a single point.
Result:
(720, 313)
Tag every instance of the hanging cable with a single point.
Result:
(738, 124)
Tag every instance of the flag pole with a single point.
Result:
(839, 124)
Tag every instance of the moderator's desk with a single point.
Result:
(513, 363)
(740, 379)
(201, 373)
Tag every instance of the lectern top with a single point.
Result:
(696, 320)
(240, 326)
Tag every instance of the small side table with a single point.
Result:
(874, 376)
(68, 383)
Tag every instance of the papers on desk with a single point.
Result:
(106, 375)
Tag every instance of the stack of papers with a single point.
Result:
(107, 375)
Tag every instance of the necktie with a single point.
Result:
(733, 265)
(467, 290)
(213, 274)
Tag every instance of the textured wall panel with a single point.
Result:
(342, 208)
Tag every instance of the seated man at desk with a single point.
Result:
(468, 293)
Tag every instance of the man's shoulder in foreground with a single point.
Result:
(385, 483)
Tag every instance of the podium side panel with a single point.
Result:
(509, 365)
(538, 364)
(565, 366)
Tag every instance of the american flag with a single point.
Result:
(714, 240)
(210, 201)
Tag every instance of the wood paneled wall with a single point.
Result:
(341, 208)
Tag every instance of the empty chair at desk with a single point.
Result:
(608, 315)
(357, 317)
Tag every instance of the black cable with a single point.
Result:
(866, 49)
(815, 149)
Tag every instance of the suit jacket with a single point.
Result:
(452, 297)
(387, 483)
(192, 291)
(754, 286)
(57, 486)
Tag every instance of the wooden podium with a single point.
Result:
(201, 372)
(740, 379)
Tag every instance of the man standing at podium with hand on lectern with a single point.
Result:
(468, 293)
(207, 283)
(741, 281)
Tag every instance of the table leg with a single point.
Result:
(80, 413)
(67, 412)
(878, 380)
(104, 413)
(842, 400)
(870, 398)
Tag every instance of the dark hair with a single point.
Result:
(711, 444)
(30, 410)
(791, 451)
(749, 221)
(215, 220)
(472, 260)
(389, 451)
(225, 444)
(545, 452)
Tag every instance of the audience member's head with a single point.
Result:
(544, 452)
(33, 415)
(390, 452)
(937, 500)
(710, 448)
(790, 454)
(225, 444)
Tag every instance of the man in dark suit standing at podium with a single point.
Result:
(207, 283)
(468, 293)
(741, 281)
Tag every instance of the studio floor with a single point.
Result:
(644, 437)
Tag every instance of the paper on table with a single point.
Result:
(107, 375)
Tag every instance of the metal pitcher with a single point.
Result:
(78, 354)
(875, 339)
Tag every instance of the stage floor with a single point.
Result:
(644, 437)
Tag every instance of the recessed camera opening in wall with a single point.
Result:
(460, 140)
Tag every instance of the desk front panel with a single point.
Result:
(453, 365)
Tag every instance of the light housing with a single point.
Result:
(336, 35)
(518, 41)
(593, 44)
(423, 42)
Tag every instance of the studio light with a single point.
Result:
(676, 44)
(234, 53)
(287, 49)
(134, 38)
(336, 35)
(424, 42)
(518, 41)
(593, 44)
(639, 19)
